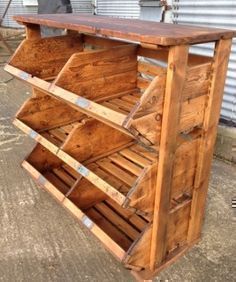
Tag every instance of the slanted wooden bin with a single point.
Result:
(125, 120)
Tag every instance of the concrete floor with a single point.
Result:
(40, 241)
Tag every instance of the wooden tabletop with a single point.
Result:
(136, 30)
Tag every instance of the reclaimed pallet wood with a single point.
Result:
(125, 120)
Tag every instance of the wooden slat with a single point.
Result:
(114, 107)
(136, 220)
(115, 182)
(135, 157)
(52, 146)
(109, 229)
(58, 134)
(150, 69)
(124, 163)
(116, 220)
(177, 60)
(59, 172)
(144, 152)
(61, 186)
(122, 104)
(71, 171)
(87, 106)
(110, 244)
(131, 98)
(92, 177)
(116, 171)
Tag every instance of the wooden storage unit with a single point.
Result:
(125, 122)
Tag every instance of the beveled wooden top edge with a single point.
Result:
(149, 32)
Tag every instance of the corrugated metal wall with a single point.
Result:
(118, 8)
(17, 7)
(213, 13)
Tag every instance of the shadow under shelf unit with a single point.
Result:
(124, 118)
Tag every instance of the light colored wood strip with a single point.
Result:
(122, 104)
(144, 152)
(58, 134)
(130, 98)
(150, 69)
(33, 134)
(112, 180)
(135, 157)
(116, 171)
(88, 106)
(124, 163)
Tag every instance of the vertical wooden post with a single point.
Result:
(221, 58)
(33, 31)
(177, 65)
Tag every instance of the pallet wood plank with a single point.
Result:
(116, 171)
(124, 163)
(120, 223)
(145, 31)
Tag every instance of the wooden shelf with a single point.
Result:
(125, 130)
(119, 229)
(106, 81)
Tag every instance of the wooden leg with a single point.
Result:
(177, 65)
(33, 31)
(221, 57)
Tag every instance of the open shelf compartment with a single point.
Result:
(122, 231)
(120, 84)
(108, 158)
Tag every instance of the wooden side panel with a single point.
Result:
(92, 139)
(106, 69)
(142, 195)
(211, 118)
(138, 256)
(197, 81)
(178, 227)
(39, 112)
(45, 57)
(184, 168)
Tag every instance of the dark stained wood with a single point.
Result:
(137, 30)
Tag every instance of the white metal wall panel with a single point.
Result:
(81, 6)
(118, 8)
(212, 13)
(17, 7)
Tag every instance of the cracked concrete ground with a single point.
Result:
(40, 241)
